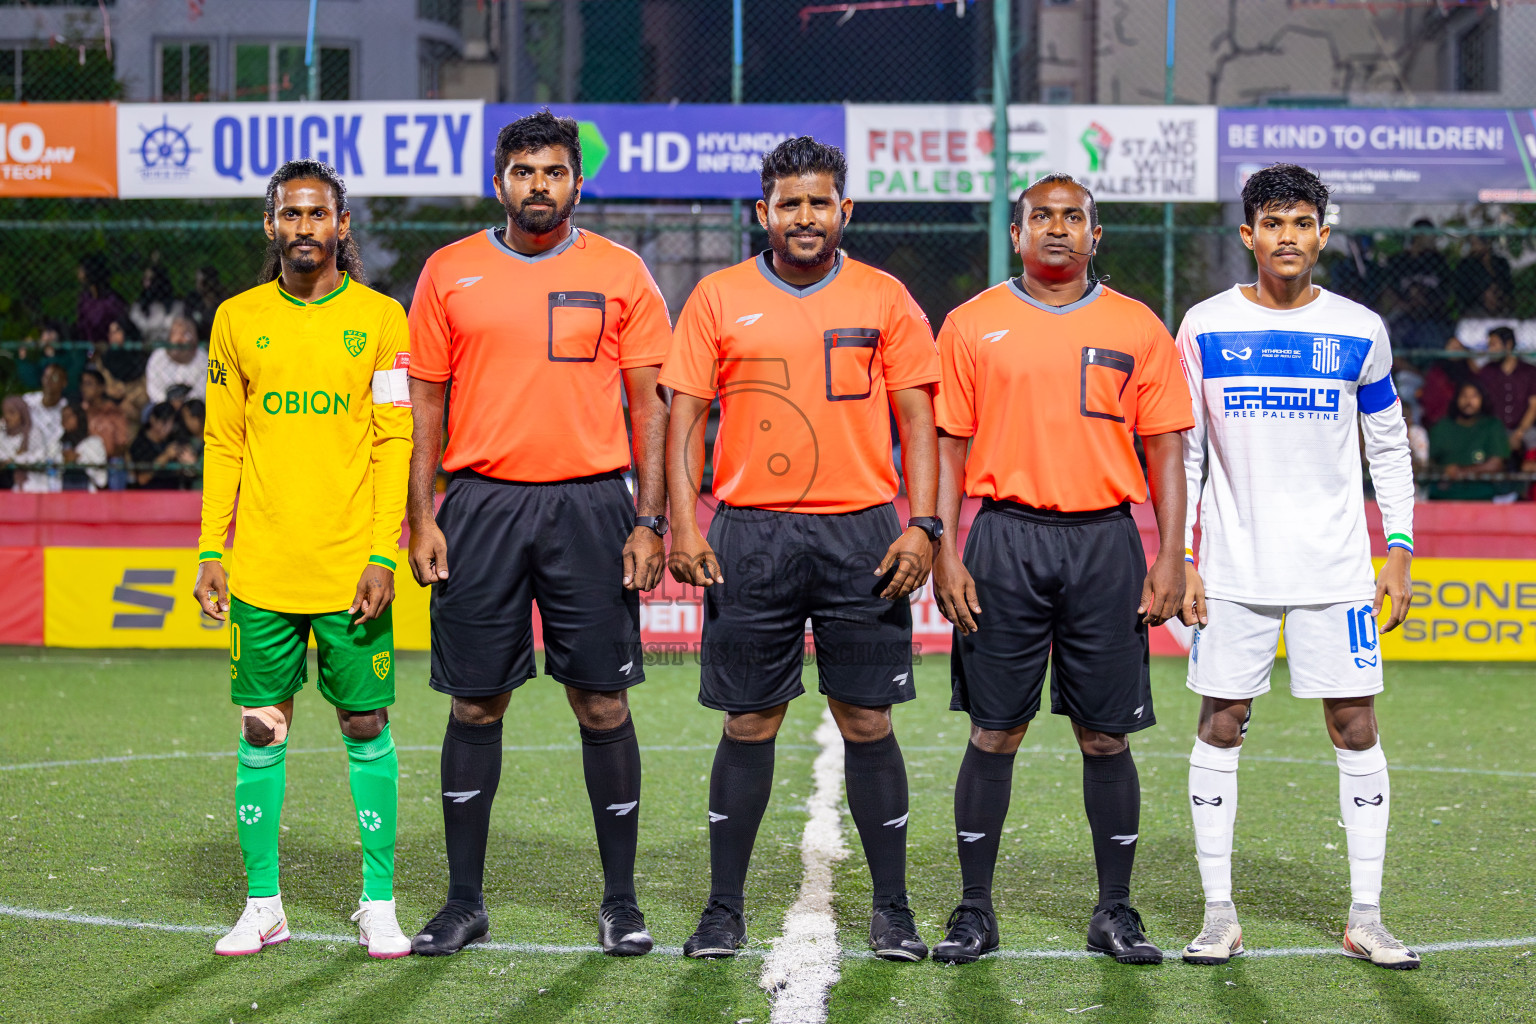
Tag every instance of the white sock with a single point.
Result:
(1365, 800)
(1213, 805)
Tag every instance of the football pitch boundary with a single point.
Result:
(701, 748)
(853, 953)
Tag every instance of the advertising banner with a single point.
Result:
(57, 149)
(684, 151)
(199, 150)
(943, 153)
(1464, 609)
(1387, 156)
(142, 597)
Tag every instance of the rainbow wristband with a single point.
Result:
(1189, 555)
(1400, 540)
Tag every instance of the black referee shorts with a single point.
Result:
(560, 544)
(782, 568)
(1057, 588)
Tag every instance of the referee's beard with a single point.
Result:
(832, 240)
(540, 222)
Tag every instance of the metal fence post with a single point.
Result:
(997, 236)
(1173, 14)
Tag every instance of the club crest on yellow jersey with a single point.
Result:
(355, 341)
(381, 664)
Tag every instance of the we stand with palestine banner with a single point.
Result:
(896, 152)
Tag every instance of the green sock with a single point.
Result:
(260, 778)
(374, 772)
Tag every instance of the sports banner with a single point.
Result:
(142, 597)
(57, 149)
(194, 150)
(682, 151)
(1398, 155)
(943, 153)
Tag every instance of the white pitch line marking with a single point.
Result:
(1461, 945)
(802, 967)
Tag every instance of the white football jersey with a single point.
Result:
(1277, 394)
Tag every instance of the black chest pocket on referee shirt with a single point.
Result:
(850, 361)
(1102, 381)
(576, 324)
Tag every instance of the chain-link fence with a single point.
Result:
(71, 269)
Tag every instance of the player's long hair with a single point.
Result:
(349, 258)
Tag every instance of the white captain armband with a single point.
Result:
(393, 387)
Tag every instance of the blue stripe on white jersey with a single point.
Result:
(1298, 354)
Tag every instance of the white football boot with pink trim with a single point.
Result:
(262, 924)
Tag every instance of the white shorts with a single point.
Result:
(1332, 650)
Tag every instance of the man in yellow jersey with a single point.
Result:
(309, 422)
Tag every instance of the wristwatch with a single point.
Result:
(933, 526)
(657, 523)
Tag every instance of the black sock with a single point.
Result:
(610, 758)
(471, 770)
(739, 787)
(982, 791)
(1112, 798)
(876, 780)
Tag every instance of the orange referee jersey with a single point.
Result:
(533, 346)
(804, 376)
(1052, 395)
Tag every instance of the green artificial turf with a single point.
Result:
(150, 840)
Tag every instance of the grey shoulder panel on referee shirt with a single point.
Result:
(1088, 296)
(549, 254)
(799, 293)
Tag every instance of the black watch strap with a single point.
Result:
(933, 526)
(657, 523)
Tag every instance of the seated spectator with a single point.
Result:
(47, 404)
(1480, 277)
(192, 415)
(1467, 447)
(1510, 384)
(122, 366)
(99, 305)
(104, 416)
(207, 293)
(1420, 321)
(20, 444)
(184, 361)
(32, 359)
(156, 307)
(1421, 264)
(1441, 382)
(83, 454)
(156, 450)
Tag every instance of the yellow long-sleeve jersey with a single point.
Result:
(309, 421)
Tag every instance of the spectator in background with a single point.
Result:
(1467, 447)
(104, 416)
(192, 415)
(207, 293)
(1495, 310)
(156, 450)
(1356, 274)
(157, 306)
(30, 360)
(47, 404)
(122, 367)
(1441, 382)
(1480, 270)
(183, 361)
(1420, 320)
(98, 305)
(1510, 384)
(20, 443)
(80, 448)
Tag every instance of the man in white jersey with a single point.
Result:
(1279, 372)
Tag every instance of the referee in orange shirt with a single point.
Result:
(1049, 378)
(537, 325)
(809, 352)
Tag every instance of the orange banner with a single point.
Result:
(58, 149)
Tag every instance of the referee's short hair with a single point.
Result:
(804, 155)
(538, 131)
(1058, 178)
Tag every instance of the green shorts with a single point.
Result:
(267, 662)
